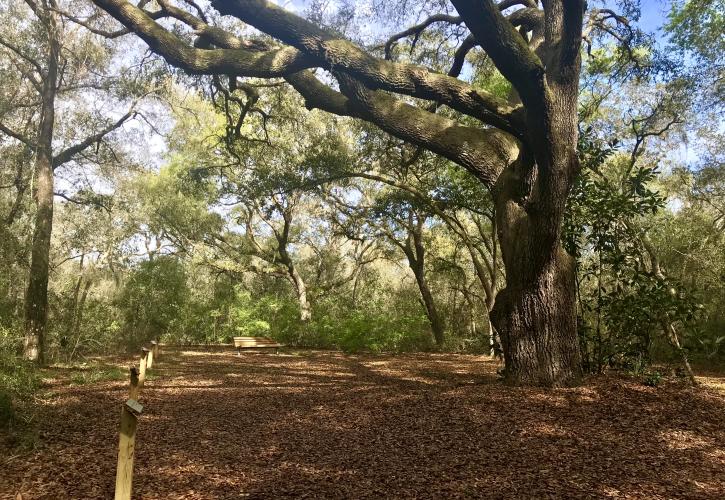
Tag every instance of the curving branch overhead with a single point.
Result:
(306, 46)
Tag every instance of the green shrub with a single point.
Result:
(377, 328)
(152, 299)
(7, 412)
(19, 379)
(653, 379)
(98, 374)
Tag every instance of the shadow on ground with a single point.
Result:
(327, 425)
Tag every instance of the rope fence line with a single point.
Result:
(130, 413)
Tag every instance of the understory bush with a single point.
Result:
(19, 379)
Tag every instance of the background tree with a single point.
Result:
(57, 62)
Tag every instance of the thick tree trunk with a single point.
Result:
(536, 317)
(535, 314)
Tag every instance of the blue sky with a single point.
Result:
(654, 14)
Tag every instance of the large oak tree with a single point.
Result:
(524, 148)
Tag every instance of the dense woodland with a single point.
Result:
(550, 190)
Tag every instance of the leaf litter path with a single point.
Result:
(327, 425)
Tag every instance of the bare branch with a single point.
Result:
(460, 55)
(505, 4)
(418, 29)
(483, 152)
(529, 18)
(22, 54)
(75, 201)
(67, 154)
(16, 135)
(104, 33)
(263, 64)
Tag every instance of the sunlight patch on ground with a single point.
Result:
(717, 383)
(587, 395)
(149, 417)
(556, 400)
(680, 439)
(199, 353)
(550, 430)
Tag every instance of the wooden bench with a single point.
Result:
(255, 343)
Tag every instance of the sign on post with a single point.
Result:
(127, 440)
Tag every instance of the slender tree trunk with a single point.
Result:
(667, 324)
(78, 319)
(36, 297)
(488, 283)
(355, 286)
(415, 253)
(20, 187)
(73, 303)
(437, 324)
(301, 292)
(286, 259)
(674, 339)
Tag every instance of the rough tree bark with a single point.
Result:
(524, 151)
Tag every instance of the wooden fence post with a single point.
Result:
(126, 440)
(142, 368)
(155, 349)
(150, 358)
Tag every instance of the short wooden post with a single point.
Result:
(142, 368)
(150, 359)
(126, 440)
(155, 349)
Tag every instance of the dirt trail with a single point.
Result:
(326, 425)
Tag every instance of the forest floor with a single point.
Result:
(328, 425)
